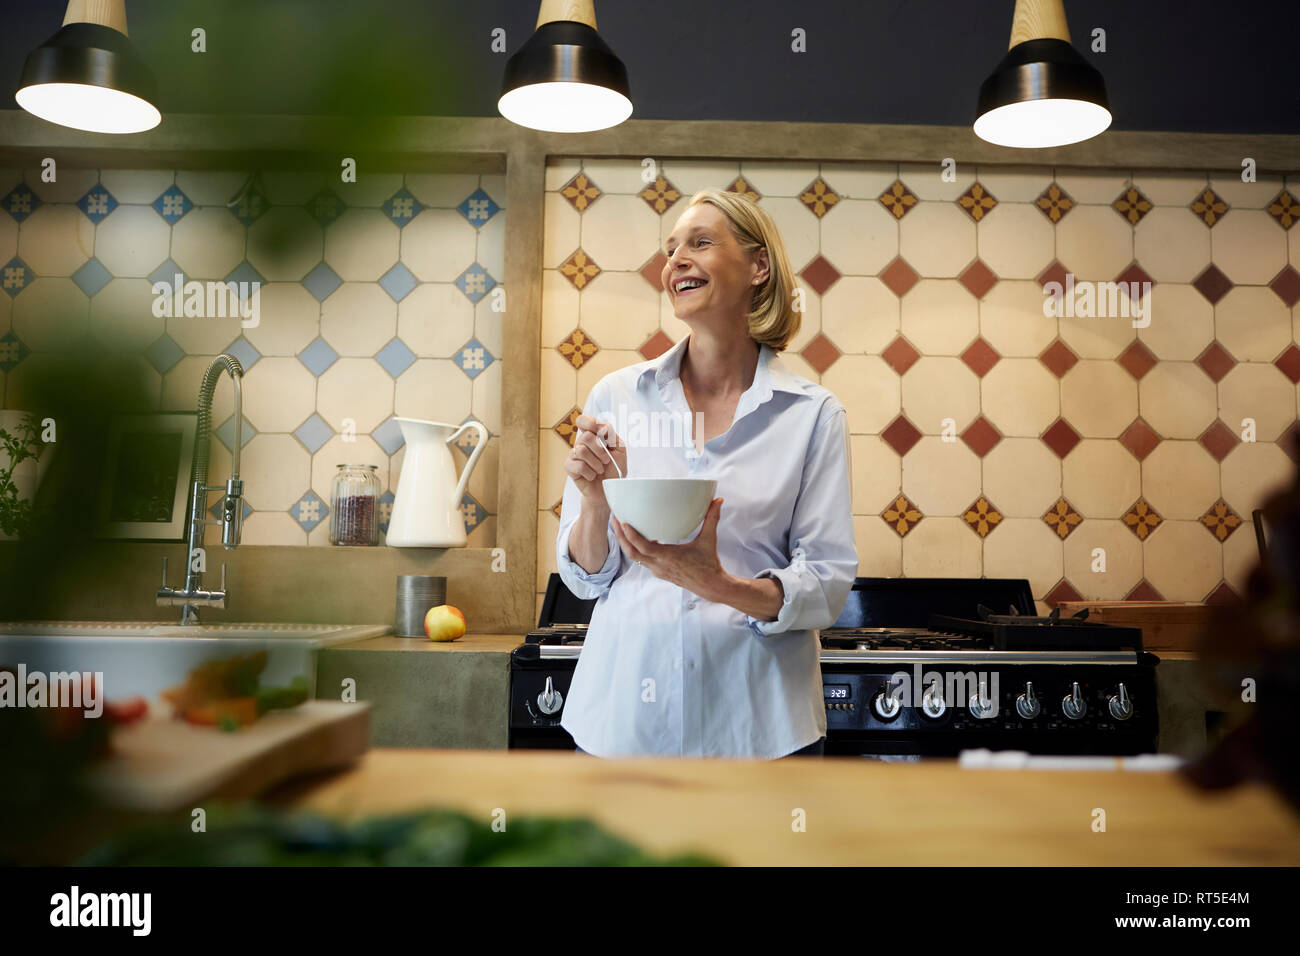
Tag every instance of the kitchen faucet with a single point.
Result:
(194, 595)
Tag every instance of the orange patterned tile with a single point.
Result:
(1209, 207)
(1055, 202)
(898, 199)
(567, 427)
(1285, 209)
(819, 197)
(821, 353)
(577, 348)
(1221, 520)
(558, 508)
(902, 515)
(580, 192)
(660, 195)
(1062, 518)
(1132, 205)
(982, 517)
(579, 269)
(741, 185)
(977, 201)
(1141, 519)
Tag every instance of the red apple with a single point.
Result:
(444, 623)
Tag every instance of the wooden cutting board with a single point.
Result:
(162, 764)
(1166, 625)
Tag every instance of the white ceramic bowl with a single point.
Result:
(661, 509)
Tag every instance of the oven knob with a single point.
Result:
(1121, 707)
(981, 707)
(1027, 704)
(1074, 705)
(550, 700)
(932, 704)
(886, 703)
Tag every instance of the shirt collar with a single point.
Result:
(770, 375)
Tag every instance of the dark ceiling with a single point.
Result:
(1192, 65)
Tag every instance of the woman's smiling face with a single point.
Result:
(703, 248)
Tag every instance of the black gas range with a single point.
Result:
(916, 667)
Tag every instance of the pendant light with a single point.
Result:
(1043, 93)
(565, 79)
(88, 75)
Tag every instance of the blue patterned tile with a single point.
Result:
(172, 205)
(215, 510)
(401, 207)
(468, 439)
(318, 356)
(167, 273)
(321, 282)
(395, 357)
(398, 282)
(225, 433)
(251, 206)
(478, 208)
(15, 276)
(313, 433)
(12, 351)
(244, 272)
(475, 282)
(92, 276)
(389, 436)
(243, 350)
(21, 202)
(97, 204)
(473, 357)
(163, 353)
(325, 207)
(309, 511)
(473, 512)
(385, 510)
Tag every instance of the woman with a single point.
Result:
(707, 648)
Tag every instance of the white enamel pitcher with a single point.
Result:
(426, 510)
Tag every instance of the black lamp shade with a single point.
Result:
(89, 55)
(595, 91)
(1035, 72)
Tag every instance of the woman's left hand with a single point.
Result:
(693, 566)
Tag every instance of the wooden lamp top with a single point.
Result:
(582, 11)
(1038, 20)
(107, 13)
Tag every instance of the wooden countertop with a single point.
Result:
(500, 643)
(859, 812)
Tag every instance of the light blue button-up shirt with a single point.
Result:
(665, 672)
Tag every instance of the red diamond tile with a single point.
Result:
(820, 353)
(1058, 358)
(1290, 442)
(1140, 439)
(980, 436)
(900, 355)
(1289, 363)
(1144, 592)
(978, 279)
(1061, 438)
(656, 345)
(820, 274)
(653, 271)
(1056, 272)
(1064, 591)
(1216, 361)
(1223, 594)
(1213, 284)
(901, 435)
(1218, 440)
(1131, 281)
(1287, 286)
(899, 276)
(1137, 359)
(980, 357)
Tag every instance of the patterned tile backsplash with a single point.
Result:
(374, 303)
(1095, 458)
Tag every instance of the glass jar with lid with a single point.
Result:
(354, 506)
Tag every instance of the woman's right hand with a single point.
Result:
(588, 464)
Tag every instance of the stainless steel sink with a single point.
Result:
(144, 657)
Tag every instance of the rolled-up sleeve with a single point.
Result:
(583, 584)
(823, 552)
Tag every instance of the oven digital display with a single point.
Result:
(838, 691)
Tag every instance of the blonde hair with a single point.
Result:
(772, 319)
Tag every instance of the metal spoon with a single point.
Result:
(603, 447)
